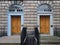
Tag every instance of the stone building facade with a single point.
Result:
(30, 15)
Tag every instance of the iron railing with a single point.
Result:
(30, 37)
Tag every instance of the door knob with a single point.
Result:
(51, 25)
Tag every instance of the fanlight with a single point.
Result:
(16, 7)
(44, 7)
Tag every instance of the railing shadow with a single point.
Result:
(37, 35)
(23, 35)
(57, 32)
(30, 37)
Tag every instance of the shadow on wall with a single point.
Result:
(57, 32)
(30, 37)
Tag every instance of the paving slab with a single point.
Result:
(10, 39)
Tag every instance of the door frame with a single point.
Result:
(9, 20)
(51, 21)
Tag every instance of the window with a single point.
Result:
(44, 7)
(15, 7)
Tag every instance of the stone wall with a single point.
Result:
(56, 13)
(30, 13)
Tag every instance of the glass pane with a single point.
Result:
(15, 7)
(44, 8)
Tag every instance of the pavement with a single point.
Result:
(16, 39)
(10, 39)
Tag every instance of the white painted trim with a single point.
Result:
(51, 21)
(9, 20)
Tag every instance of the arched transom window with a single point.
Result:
(44, 7)
(15, 7)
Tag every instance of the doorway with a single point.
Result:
(15, 25)
(44, 24)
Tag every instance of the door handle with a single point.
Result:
(51, 25)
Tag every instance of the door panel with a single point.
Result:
(19, 24)
(15, 24)
(44, 24)
(47, 24)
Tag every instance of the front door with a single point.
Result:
(15, 24)
(44, 24)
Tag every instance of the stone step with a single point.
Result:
(50, 44)
(49, 40)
